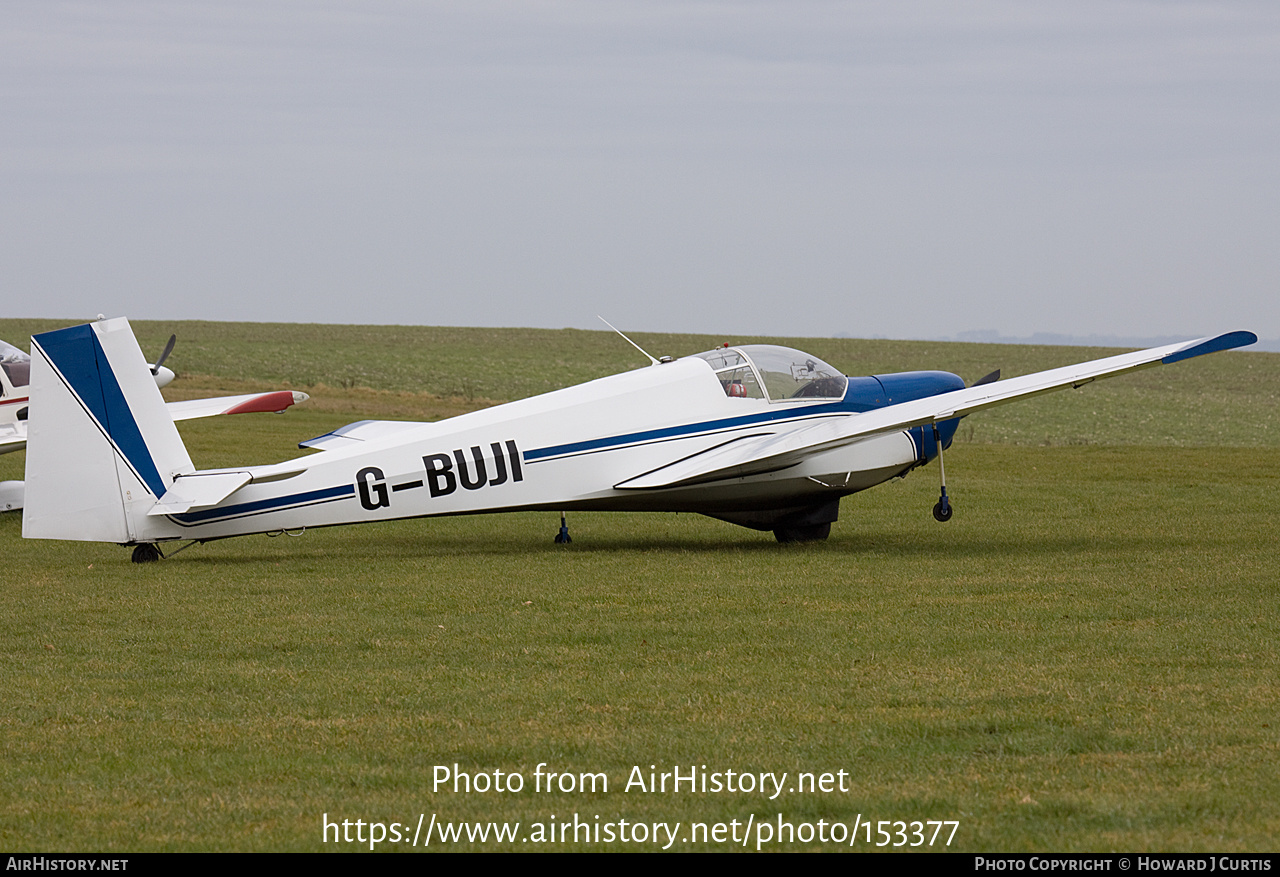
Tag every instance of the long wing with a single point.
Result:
(14, 438)
(770, 453)
(249, 403)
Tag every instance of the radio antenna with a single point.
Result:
(628, 340)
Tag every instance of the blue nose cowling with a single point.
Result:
(877, 391)
(908, 386)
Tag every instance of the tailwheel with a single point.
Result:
(803, 533)
(147, 552)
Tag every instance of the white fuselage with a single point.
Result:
(562, 450)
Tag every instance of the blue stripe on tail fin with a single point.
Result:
(78, 356)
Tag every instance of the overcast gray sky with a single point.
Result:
(906, 169)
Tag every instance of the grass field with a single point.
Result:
(1085, 658)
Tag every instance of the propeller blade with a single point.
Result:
(168, 348)
(987, 379)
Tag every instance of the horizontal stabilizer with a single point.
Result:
(250, 403)
(770, 453)
(199, 490)
(11, 438)
(11, 494)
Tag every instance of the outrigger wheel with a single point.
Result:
(146, 552)
(942, 511)
(562, 538)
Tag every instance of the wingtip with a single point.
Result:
(1225, 341)
(263, 403)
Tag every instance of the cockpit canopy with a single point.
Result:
(779, 374)
(16, 365)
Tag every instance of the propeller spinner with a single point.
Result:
(164, 376)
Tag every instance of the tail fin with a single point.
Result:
(101, 447)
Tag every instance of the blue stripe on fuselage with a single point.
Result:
(862, 394)
(681, 431)
(266, 505)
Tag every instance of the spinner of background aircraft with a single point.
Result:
(761, 436)
(15, 373)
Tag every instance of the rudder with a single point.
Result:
(101, 447)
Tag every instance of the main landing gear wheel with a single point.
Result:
(809, 533)
(147, 552)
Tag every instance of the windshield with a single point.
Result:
(16, 365)
(764, 371)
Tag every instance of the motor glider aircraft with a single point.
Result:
(761, 436)
(15, 371)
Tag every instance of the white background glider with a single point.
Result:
(761, 436)
(15, 404)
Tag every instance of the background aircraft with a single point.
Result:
(761, 436)
(15, 373)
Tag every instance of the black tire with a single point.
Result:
(942, 513)
(810, 533)
(147, 552)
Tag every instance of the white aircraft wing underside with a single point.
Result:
(770, 453)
